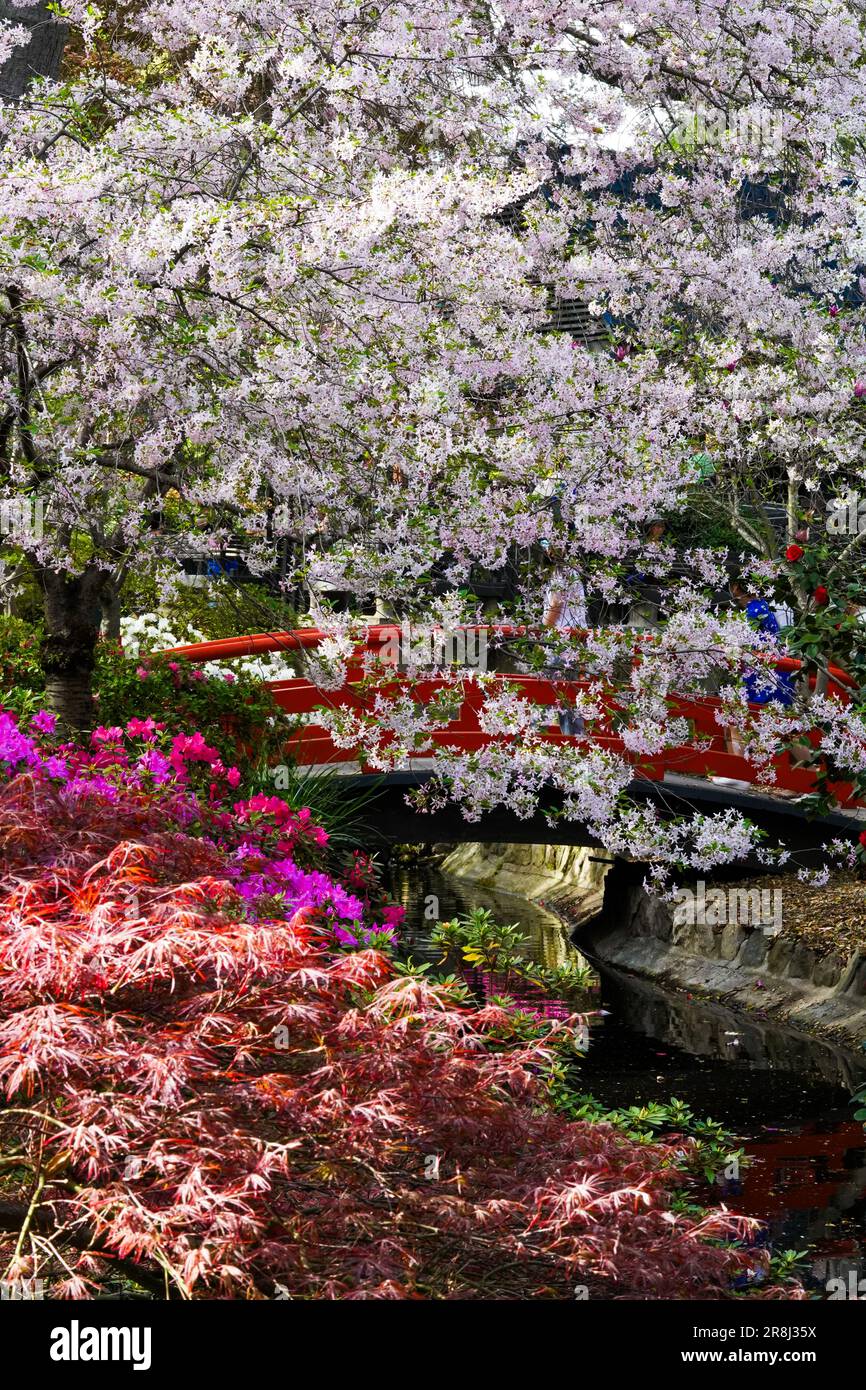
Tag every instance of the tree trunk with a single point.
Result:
(41, 57)
(68, 649)
(111, 613)
(72, 613)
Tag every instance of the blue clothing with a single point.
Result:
(215, 568)
(760, 612)
(758, 685)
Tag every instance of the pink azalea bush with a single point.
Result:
(220, 1082)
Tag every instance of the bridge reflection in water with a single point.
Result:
(810, 1186)
(786, 1096)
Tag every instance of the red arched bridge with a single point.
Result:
(677, 779)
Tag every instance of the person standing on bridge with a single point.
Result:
(762, 688)
(564, 609)
(645, 606)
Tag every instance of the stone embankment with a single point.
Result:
(618, 924)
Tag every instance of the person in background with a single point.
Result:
(564, 608)
(761, 686)
(770, 620)
(643, 611)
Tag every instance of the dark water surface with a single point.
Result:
(786, 1097)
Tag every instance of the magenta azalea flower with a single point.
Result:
(192, 746)
(14, 747)
(141, 728)
(103, 735)
(156, 764)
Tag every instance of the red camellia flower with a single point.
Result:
(794, 553)
(821, 596)
(863, 838)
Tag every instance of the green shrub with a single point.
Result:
(236, 712)
(22, 683)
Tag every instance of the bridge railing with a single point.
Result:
(705, 755)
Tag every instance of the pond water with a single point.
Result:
(786, 1097)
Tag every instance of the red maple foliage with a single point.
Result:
(208, 1104)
